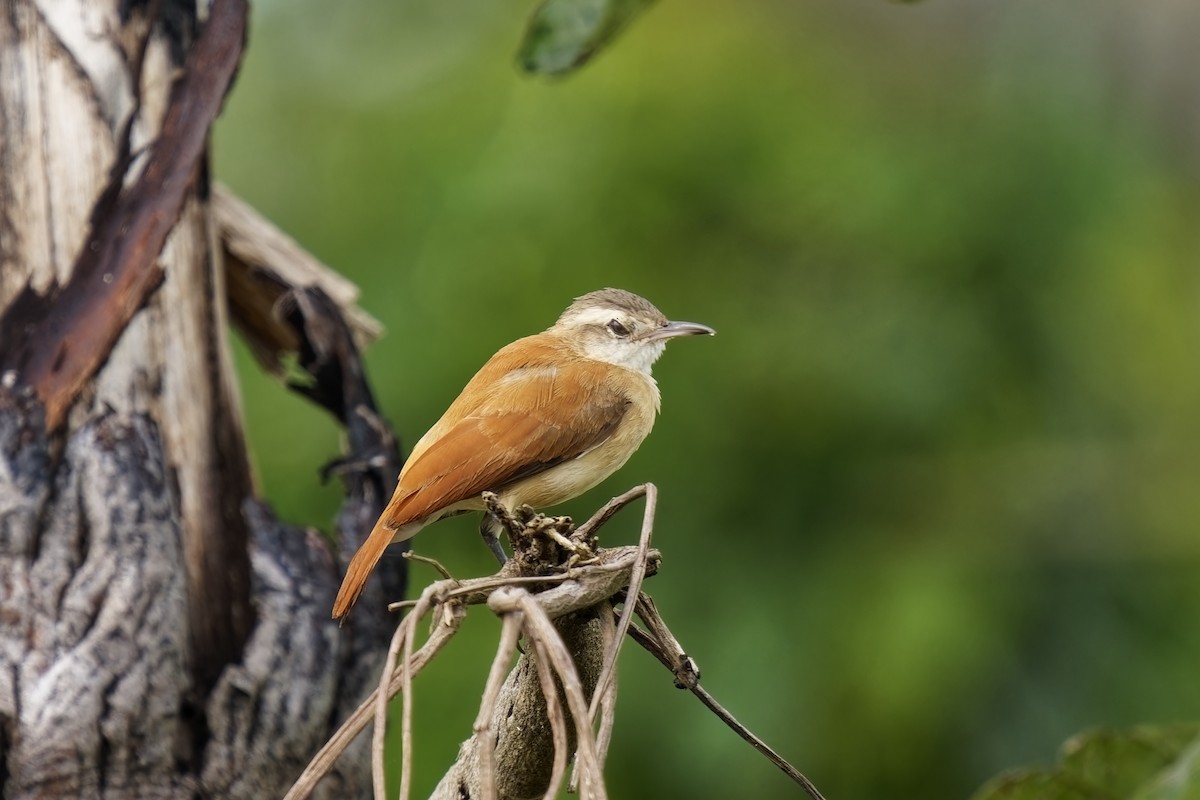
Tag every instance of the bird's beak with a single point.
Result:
(675, 328)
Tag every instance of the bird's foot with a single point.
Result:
(489, 530)
(539, 541)
(502, 516)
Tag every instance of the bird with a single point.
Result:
(548, 417)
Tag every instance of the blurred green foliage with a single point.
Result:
(928, 499)
(562, 35)
(1145, 763)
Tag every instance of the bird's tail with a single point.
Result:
(360, 567)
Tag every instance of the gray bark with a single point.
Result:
(161, 634)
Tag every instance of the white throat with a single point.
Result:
(637, 356)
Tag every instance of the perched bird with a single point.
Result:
(546, 418)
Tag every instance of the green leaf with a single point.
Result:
(1149, 762)
(1180, 781)
(563, 34)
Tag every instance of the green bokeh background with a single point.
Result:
(929, 498)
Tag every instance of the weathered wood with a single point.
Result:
(171, 361)
(161, 634)
(262, 265)
(67, 335)
(94, 648)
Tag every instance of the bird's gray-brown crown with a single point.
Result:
(614, 300)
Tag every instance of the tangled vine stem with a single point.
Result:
(557, 574)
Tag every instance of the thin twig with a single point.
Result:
(609, 509)
(324, 760)
(687, 676)
(489, 584)
(608, 634)
(509, 636)
(478, 588)
(538, 626)
(406, 705)
(402, 604)
(755, 742)
(378, 780)
(433, 562)
(554, 712)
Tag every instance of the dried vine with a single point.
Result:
(556, 572)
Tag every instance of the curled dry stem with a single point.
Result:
(509, 636)
(637, 575)
(616, 571)
(402, 639)
(608, 703)
(323, 761)
(554, 712)
(378, 782)
(406, 712)
(609, 509)
(538, 627)
(603, 697)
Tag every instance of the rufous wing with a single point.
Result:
(527, 420)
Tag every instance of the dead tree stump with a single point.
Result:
(161, 633)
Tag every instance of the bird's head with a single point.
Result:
(621, 328)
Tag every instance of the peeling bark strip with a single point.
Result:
(263, 264)
(56, 345)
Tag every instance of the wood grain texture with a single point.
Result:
(85, 714)
(132, 554)
(65, 342)
(95, 695)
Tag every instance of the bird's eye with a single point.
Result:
(617, 328)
